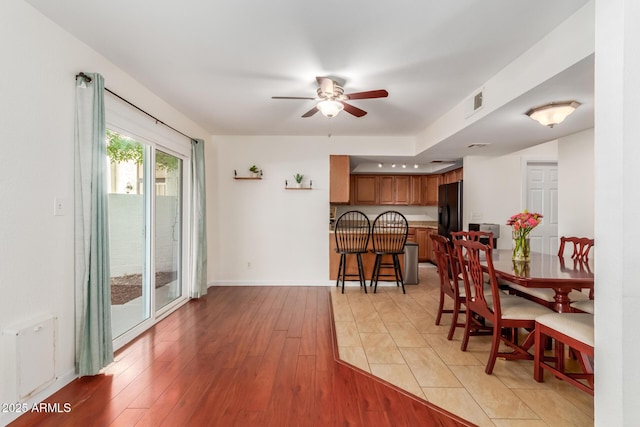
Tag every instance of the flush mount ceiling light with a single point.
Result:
(553, 113)
(330, 108)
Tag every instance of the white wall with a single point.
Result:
(282, 234)
(37, 84)
(493, 187)
(576, 184)
(617, 201)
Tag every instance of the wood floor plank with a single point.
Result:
(261, 356)
(297, 317)
(308, 336)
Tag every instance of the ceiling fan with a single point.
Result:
(332, 98)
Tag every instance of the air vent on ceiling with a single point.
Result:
(474, 103)
(477, 145)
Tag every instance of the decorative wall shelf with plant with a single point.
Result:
(298, 183)
(254, 173)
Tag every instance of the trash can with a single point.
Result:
(411, 263)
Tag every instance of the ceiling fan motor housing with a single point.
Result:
(334, 92)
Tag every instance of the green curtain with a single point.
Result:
(198, 220)
(94, 347)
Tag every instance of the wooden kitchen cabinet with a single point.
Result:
(401, 190)
(417, 190)
(430, 189)
(452, 176)
(395, 190)
(366, 191)
(385, 190)
(339, 179)
(421, 237)
(425, 244)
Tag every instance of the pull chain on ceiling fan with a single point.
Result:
(332, 99)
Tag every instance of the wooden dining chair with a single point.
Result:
(450, 283)
(351, 232)
(388, 236)
(571, 329)
(581, 247)
(485, 237)
(506, 313)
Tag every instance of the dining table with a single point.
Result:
(562, 274)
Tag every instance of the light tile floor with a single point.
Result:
(394, 337)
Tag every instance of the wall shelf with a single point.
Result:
(255, 178)
(296, 188)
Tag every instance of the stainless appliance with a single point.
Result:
(492, 228)
(411, 263)
(449, 208)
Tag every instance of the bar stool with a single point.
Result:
(388, 235)
(352, 232)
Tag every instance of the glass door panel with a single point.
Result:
(168, 229)
(130, 296)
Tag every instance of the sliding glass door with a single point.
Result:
(145, 232)
(128, 241)
(168, 229)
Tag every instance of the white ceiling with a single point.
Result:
(220, 62)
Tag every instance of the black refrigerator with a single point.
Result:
(449, 208)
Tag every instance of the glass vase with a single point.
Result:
(521, 249)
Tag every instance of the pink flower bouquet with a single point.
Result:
(522, 224)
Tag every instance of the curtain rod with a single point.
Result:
(88, 80)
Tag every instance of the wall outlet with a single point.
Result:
(248, 265)
(476, 216)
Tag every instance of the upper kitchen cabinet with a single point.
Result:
(452, 176)
(339, 181)
(366, 190)
(395, 190)
(417, 190)
(430, 185)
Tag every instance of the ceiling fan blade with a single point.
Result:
(381, 93)
(292, 97)
(310, 112)
(353, 110)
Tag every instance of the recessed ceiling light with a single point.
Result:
(393, 165)
(404, 166)
(416, 166)
(379, 165)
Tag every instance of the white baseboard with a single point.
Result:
(270, 283)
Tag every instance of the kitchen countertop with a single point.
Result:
(423, 224)
(414, 224)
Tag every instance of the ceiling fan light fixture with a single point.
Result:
(330, 108)
(553, 113)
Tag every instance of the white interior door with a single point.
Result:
(542, 197)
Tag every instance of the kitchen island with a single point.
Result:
(418, 233)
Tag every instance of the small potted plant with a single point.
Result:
(255, 172)
(298, 177)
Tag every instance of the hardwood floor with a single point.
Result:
(241, 356)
